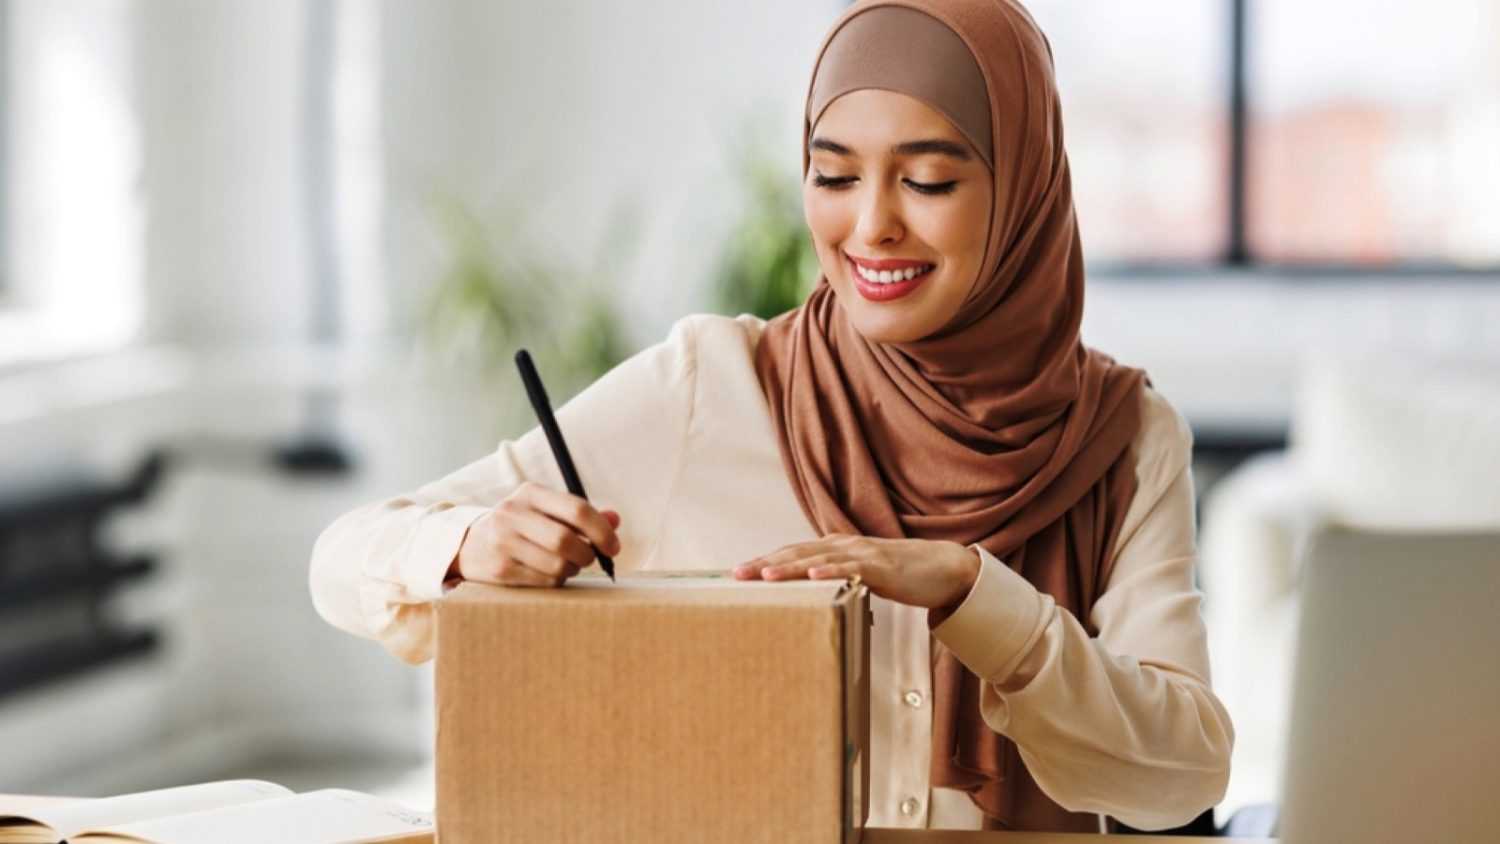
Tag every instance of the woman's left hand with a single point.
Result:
(919, 572)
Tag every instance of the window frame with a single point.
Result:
(1237, 259)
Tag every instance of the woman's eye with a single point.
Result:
(939, 187)
(836, 182)
(823, 181)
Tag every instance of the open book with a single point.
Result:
(228, 812)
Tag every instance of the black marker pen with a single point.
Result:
(543, 408)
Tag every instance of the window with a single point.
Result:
(1376, 131)
(72, 230)
(1144, 123)
(1272, 133)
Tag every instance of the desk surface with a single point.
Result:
(15, 802)
(10, 803)
(957, 836)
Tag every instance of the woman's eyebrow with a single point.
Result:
(929, 145)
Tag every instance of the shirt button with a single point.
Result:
(909, 806)
(912, 697)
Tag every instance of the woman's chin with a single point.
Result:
(879, 322)
(884, 329)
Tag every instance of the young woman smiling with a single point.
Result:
(895, 188)
(1020, 504)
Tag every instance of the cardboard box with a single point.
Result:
(662, 708)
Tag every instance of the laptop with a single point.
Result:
(1395, 717)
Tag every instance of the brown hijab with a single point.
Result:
(1001, 428)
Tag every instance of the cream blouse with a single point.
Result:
(679, 440)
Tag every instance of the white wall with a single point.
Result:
(563, 107)
(218, 95)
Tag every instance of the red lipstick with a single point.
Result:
(877, 292)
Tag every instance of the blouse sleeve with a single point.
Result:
(1124, 724)
(376, 569)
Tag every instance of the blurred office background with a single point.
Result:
(261, 262)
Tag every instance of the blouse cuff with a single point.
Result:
(437, 540)
(997, 622)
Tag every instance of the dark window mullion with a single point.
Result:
(1237, 249)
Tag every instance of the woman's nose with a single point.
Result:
(879, 217)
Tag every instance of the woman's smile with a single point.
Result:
(883, 281)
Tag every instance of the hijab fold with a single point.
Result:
(1001, 428)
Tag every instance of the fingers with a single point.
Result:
(525, 542)
(794, 569)
(527, 564)
(576, 512)
(562, 544)
(518, 567)
(755, 569)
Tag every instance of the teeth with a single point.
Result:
(891, 277)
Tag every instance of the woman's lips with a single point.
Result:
(884, 292)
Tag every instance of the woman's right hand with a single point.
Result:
(537, 536)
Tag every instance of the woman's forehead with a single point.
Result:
(870, 120)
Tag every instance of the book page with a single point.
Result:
(68, 819)
(329, 816)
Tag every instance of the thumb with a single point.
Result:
(614, 518)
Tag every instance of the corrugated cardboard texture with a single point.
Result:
(856, 621)
(664, 709)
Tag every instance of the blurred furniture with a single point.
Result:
(56, 575)
(1378, 439)
(1395, 689)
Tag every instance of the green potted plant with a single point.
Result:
(499, 293)
(769, 265)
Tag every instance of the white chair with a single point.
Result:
(1378, 439)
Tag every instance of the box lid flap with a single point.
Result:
(652, 590)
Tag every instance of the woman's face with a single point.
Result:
(870, 204)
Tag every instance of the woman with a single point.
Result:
(1020, 505)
